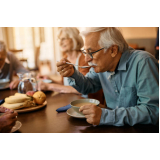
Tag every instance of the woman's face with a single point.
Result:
(66, 44)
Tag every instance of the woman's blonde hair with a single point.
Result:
(73, 33)
(109, 36)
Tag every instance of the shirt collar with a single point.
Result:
(124, 58)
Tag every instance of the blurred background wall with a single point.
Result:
(40, 47)
(142, 37)
(36, 44)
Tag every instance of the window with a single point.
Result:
(23, 39)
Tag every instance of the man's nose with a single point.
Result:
(88, 58)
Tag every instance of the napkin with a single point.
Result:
(1, 101)
(63, 109)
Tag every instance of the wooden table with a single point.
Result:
(47, 120)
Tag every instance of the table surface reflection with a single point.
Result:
(47, 120)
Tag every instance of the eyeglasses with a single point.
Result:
(90, 53)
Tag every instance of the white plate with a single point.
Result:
(7, 86)
(3, 81)
(16, 126)
(74, 114)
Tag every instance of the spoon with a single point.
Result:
(77, 65)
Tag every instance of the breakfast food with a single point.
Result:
(14, 105)
(20, 100)
(39, 97)
(17, 99)
(84, 103)
(20, 94)
(30, 93)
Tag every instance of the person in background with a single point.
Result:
(129, 78)
(70, 43)
(7, 120)
(8, 64)
(157, 46)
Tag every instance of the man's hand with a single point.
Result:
(14, 84)
(92, 113)
(3, 110)
(7, 121)
(65, 70)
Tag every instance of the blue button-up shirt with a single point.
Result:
(131, 92)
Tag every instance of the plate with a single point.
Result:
(16, 126)
(7, 86)
(4, 81)
(29, 109)
(74, 114)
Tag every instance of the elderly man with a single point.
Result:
(7, 120)
(8, 64)
(128, 77)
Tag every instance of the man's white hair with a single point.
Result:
(73, 33)
(108, 36)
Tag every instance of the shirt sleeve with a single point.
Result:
(17, 65)
(147, 109)
(85, 84)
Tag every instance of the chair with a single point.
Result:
(45, 67)
(37, 53)
(135, 46)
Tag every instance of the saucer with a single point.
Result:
(16, 126)
(74, 114)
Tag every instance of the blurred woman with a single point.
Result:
(8, 65)
(70, 44)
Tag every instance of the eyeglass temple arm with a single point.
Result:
(98, 50)
(92, 52)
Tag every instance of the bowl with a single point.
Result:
(80, 102)
(47, 80)
(4, 83)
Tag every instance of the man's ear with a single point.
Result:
(114, 50)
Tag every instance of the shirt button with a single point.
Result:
(116, 91)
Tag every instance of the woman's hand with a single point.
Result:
(14, 84)
(43, 86)
(65, 70)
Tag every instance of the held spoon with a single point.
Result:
(77, 65)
